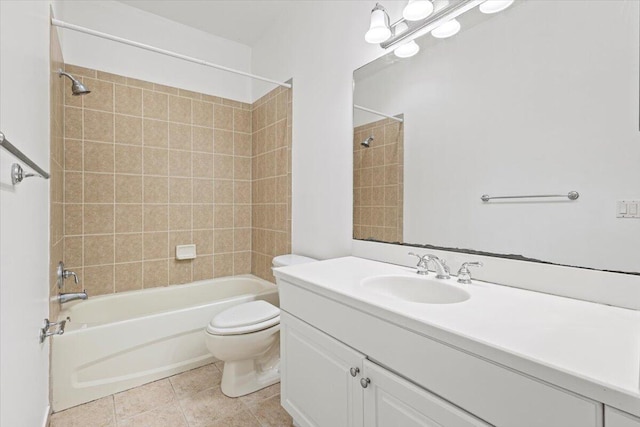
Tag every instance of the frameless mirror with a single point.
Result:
(540, 99)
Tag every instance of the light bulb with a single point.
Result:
(495, 6)
(416, 10)
(447, 29)
(407, 50)
(379, 29)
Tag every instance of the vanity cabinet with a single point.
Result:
(325, 383)
(616, 418)
(415, 378)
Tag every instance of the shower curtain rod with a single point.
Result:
(62, 24)
(369, 110)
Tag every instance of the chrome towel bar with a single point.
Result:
(572, 195)
(4, 143)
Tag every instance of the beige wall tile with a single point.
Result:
(155, 161)
(128, 277)
(241, 120)
(98, 126)
(180, 163)
(98, 188)
(73, 219)
(98, 157)
(242, 144)
(223, 191)
(203, 240)
(203, 190)
(202, 113)
(223, 265)
(128, 247)
(179, 109)
(202, 165)
(179, 136)
(77, 71)
(73, 188)
(223, 241)
(180, 271)
(223, 216)
(156, 246)
(242, 216)
(180, 217)
(98, 219)
(128, 218)
(242, 168)
(73, 152)
(223, 117)
(156, 217)
(155, 133)
(223, 142)
(242, 262)
(223, 166)
(73, 251)
(98, 250)
(156, 189)
(203, 267)
(128, 159)
(155, 273)
(180, 190)
(179, 238)
(128, 130)
(128, 188)
(202, 216)
(128, 100)
(99, 280)
(242, 239)
(202, 139)
(101, 97)
(155, 105)
(73, 123)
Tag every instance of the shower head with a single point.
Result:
(367, 142)
(77, 88)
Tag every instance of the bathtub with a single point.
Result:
(115, 342)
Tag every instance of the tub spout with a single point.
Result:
(62, 298)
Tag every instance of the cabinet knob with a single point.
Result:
(364, 382)
(354, 371)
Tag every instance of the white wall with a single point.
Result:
(125, 21)
(319, 44)
(24, 213)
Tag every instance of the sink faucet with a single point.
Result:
(72, 296)
(442, 269)
(422, 266)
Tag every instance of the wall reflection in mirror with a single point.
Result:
(541, 98)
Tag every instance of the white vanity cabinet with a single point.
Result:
(616, 418)
(326, 384)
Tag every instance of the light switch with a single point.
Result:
(628, 209)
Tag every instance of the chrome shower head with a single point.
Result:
(367, 142)
(77, 88)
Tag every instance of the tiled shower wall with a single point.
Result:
(378, 181)
(148, 167)
(271, 173)
(56, 183)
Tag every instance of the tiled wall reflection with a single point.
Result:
(271, 172)
(148, 167)
(378, 181)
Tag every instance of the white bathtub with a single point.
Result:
(116, 342)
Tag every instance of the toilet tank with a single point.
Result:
(290, 259)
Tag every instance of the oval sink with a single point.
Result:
(423, 290)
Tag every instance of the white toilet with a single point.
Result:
(246, 337)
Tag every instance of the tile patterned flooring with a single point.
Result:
(189, 399)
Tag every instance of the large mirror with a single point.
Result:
(540, 99)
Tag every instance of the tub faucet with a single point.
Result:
(72, 296)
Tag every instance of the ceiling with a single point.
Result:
(243, 21)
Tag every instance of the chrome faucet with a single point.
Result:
(442, 269)
(464, 275)
(422, 266)
(72, 296)
(65, 274)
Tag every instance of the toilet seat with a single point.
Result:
(244, 319)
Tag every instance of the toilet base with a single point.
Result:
(241, 378)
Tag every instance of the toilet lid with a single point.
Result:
(245, 318)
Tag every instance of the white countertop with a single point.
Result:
(591, 349)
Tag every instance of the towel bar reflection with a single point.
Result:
(17, 171)
(571, 195)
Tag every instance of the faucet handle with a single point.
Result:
(464, 275)
(68, 273)
(423, 268)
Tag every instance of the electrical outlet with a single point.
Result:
(628, 209)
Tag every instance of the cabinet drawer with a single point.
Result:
(492, 392)
(616, 418)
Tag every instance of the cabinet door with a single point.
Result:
(391, 401)
(616, 418)
(318, 389)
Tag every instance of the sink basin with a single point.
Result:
(425, 290)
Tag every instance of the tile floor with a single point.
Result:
(189, 399)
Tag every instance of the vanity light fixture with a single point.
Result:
(406, 49)
(379, 30)
(448, 29)
(495, 6)
(416, 10)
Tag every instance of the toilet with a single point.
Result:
(246, 337)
